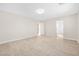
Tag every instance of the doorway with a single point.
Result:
(40, 29)
(59, 29)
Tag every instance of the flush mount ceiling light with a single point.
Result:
(40, 11)
(60, 3)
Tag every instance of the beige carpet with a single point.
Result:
(40, 46)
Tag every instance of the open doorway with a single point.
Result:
(59, 29)
(40, 29)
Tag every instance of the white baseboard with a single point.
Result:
(77, 41)
(71, 39)
(3, 42)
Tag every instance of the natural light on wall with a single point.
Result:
(39, 27)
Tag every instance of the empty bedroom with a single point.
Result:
(39, 29)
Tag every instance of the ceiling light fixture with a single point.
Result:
(40, 11)
(60, 3)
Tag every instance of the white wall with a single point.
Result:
(78, 28)
(14, 27)
(70, 27)
(50, 28)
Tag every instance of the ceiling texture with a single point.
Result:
(51, 10)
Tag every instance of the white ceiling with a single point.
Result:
(52, 10)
